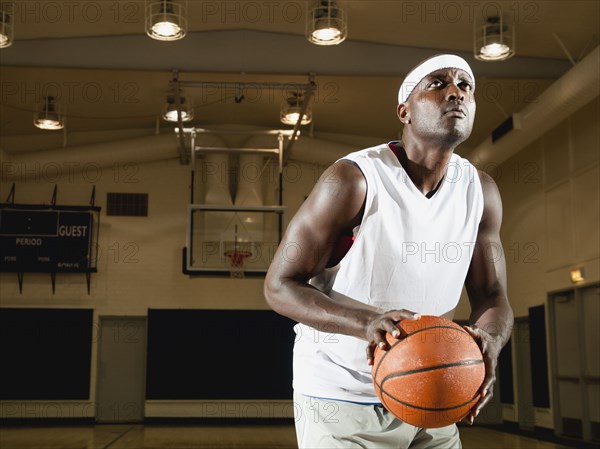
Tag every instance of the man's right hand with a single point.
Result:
(383, 323)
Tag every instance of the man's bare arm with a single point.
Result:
(491, 314)
(334, 208)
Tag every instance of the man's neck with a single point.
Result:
(426, 165)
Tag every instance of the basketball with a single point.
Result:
(431, 377)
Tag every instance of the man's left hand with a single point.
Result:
(490, 346)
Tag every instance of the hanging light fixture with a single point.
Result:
(165, 20)
(326, 24)
(6, 29)
(495, 40)
(292, 108)
(49, 117)
(171, 108)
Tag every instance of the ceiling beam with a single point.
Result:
(253, 52)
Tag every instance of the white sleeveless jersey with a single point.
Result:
(409, 252)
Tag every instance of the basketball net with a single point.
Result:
(236, 262)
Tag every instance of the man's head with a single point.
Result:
(436, 100)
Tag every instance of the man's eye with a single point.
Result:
(436, 83)
(466, 86)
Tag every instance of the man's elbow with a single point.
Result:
(272, 292)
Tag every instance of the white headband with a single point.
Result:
(429, 66)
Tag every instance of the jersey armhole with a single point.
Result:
(350, 238)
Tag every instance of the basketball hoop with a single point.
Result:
(236, 262)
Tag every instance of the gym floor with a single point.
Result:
(213, 437)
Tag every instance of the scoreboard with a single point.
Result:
(48, 240)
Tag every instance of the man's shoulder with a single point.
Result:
(374, 151)
(488, 184)
(492, 201)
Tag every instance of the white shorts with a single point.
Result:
(326, 423)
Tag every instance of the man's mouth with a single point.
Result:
(456, 111)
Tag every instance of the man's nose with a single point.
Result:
(454, 93)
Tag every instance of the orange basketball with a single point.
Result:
(430, 378)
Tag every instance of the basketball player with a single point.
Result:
(390, 233)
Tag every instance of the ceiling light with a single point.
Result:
(577, 275)
(292, 108)
(494, 41)
(326, 24)
(6, 30)
(165, 20)
(49, 117)
(171, 108)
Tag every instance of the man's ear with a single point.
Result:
(403, 113)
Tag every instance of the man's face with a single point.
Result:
(442, 106)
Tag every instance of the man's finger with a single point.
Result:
(392, 329)
(400, 315)
(473, 332)
(482, 403)
(370, 354)
(380, 340)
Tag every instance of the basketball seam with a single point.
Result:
(430, 368)
(428, 409)
(408, 335)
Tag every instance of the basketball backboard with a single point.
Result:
(236, 240)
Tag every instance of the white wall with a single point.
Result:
(139, 265)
